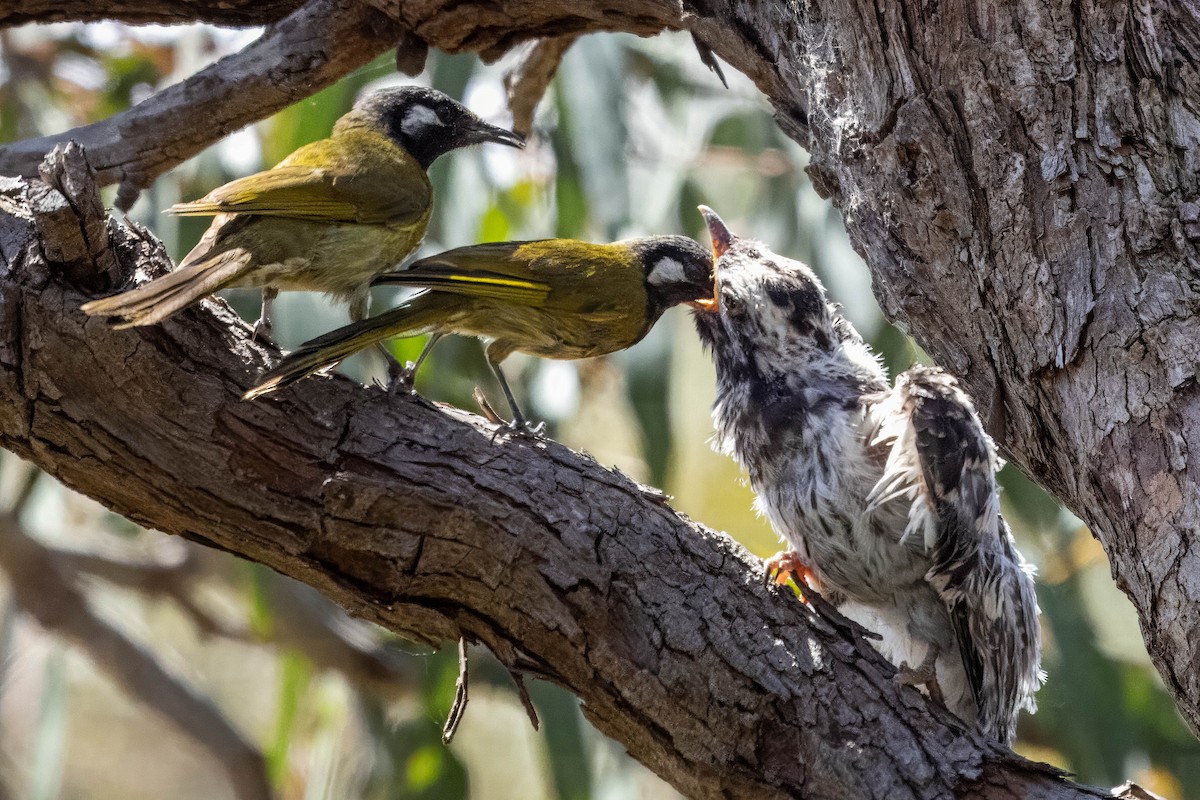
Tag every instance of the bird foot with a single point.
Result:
(262, 333)
(519, 426)
(924, 675)
(788, 564)
(401, 378)
(522, 427)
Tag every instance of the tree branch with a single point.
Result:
(413, 517)
(1042, 178)
(235, 13)
(309, 50)
(527, 81)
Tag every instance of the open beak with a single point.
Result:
(480, 131)
(721, 237)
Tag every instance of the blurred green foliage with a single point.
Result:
(631, 136)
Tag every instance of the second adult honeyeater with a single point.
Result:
(554, 298)
(328, 218)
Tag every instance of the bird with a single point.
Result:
(885, 494)
(328, 218)
(554, 298)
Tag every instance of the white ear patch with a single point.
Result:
(667, 270)
(418, 119)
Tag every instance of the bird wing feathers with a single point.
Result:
(349, 178)
(551, 273)
(975, 567)
(493, 271)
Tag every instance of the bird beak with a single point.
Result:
(478, 131)
(721, 240)
(721, 237)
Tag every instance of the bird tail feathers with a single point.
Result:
(418, 315)
(160, 298)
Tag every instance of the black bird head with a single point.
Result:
(678, 270)
(426, 122)
(770, 316)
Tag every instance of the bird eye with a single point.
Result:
(732, 305)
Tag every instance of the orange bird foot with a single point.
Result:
(787, 564)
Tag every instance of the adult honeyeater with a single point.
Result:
(554, 298)
(886, 494)
(328, 218)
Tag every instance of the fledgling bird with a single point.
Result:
(886, 495)
(328, 218)
(554, 298)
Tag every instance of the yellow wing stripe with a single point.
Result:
(514, 282)
(491, 285)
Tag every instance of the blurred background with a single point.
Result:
(632, 134)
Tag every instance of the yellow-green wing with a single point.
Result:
(354, 177)
(496, 271)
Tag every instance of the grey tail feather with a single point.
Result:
(417, 315)
(160, 298)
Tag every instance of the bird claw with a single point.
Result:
(923, 675)
(521, 427)
(401, 377)
(788, 564)
(261, 334)
(518, 426)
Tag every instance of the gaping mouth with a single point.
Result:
(721, 240)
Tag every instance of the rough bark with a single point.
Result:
(420, 519)
(1022, 180)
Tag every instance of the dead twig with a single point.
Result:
(461, 694)
(527, 81)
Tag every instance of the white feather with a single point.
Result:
(667, 270)
(419, 118)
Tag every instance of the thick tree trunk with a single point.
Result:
(1022, 179)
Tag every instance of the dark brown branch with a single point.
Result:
(49, 594)
(300, 55)
(418, 518)
(235, 13)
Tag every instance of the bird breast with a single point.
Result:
(814, 484)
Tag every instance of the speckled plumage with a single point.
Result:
(887, 493)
